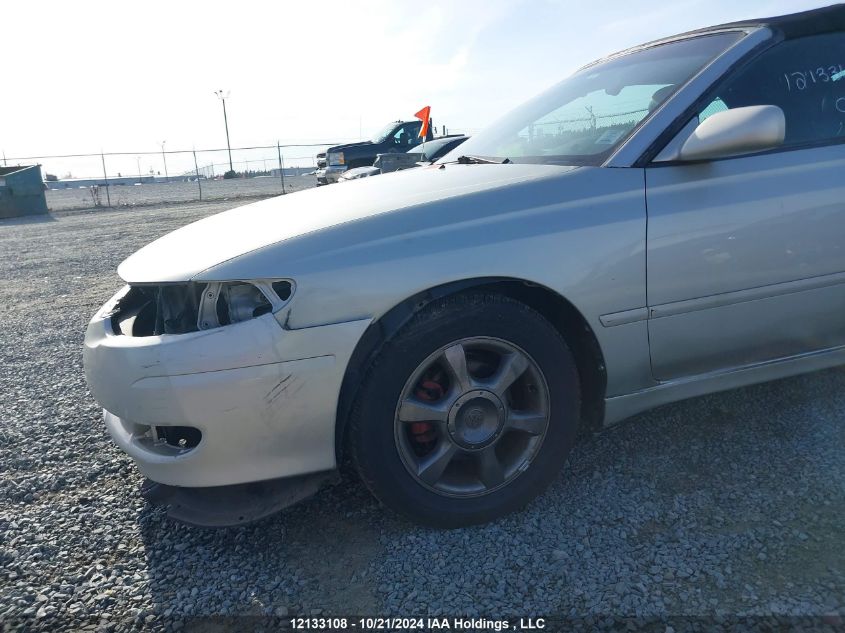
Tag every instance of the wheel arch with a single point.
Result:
(560, 312)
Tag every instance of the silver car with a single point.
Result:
(667, 222)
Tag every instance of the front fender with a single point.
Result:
(580, 234)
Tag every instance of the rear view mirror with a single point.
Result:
(737, 131)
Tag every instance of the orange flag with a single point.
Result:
(424, 116)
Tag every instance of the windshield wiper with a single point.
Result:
(481, 160)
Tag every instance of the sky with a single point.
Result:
(124, 76)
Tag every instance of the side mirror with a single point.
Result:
(737, 131)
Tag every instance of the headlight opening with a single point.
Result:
(150, 310)
(232, 302)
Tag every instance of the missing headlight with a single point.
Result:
(245, 301)
(283, 289)
(233, 302)
(150, 310)
(154, 310)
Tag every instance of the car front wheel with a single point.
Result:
(467, 413)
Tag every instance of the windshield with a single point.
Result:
(382, 134)
(581, 120)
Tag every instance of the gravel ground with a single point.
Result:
(150, 194)
(729, 505)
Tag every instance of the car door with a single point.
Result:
(746, 255)
(408, 136)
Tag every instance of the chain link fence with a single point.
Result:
(126, 179)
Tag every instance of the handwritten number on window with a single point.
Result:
(801, 79)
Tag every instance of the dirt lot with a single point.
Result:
(725, 506)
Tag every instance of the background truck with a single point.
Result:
(398, 136)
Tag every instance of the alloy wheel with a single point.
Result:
(472, 417)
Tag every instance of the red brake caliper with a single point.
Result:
(428, 391)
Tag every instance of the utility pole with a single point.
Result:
(223, 96)
(281, 166)
(197, 172)
(105, 177)
(164, 158)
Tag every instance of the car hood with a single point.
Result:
(340, 148)
(186, 252)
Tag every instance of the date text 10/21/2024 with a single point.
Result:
(410, 624)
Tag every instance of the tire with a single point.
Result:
(398, 461)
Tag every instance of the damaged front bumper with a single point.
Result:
(228, 506)
(247, 402)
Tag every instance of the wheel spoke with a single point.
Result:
(431, 468)
(414, 410)
(527, 422)
(490, 469)
(456, 358)
(511, 367)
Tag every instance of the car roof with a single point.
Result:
(813, 22)
(792, 25)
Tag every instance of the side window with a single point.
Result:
(804, 77)
(407, 135)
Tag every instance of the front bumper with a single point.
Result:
(263, 397)
(331, 173)
(227, 506)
